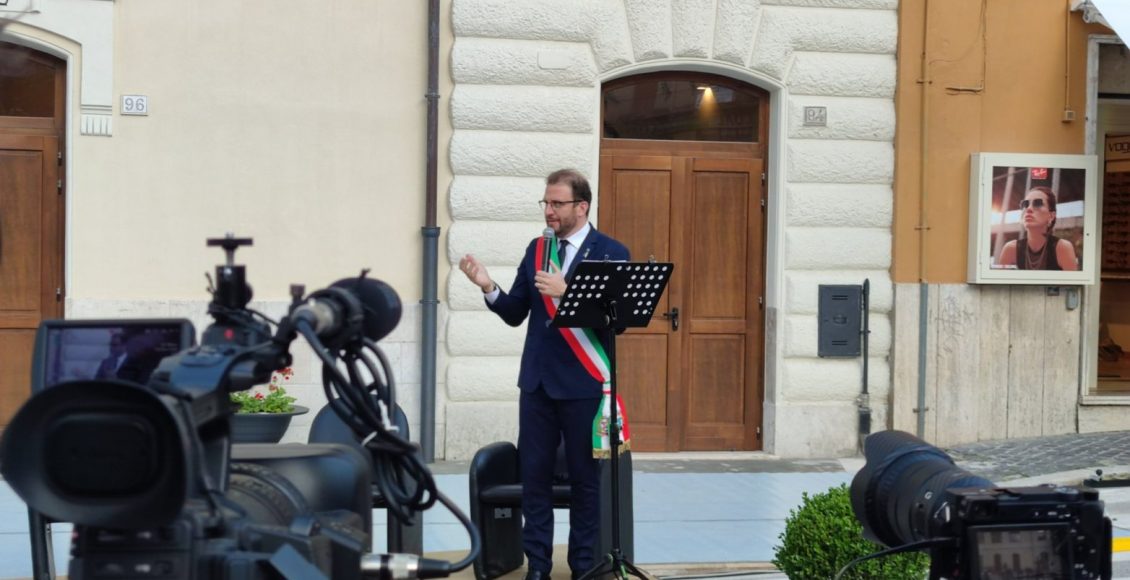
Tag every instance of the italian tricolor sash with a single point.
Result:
(587, 347)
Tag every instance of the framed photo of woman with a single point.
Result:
(1032, 219)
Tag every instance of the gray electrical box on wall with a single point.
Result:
(841, 309)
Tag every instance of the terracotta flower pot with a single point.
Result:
(262, 427)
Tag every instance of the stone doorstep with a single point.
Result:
(687, 571)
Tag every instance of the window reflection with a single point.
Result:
(27, 83)
(688, 108)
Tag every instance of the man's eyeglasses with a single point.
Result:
(1036, 203)
(558, 205)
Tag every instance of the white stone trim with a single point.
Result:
(520, 154)
(500, 246)
(849, 118)
(472, 425)
(486, 379)
(843, 75)
(490, 61)
(693, 38)
(836, 204)
(480, 334)
(97, 121)
(822, 161)
(788, 30)
(864, 4)
(476, 197)
(803, 297)
(541, 109)
(736, 30)
(649, 22)
(837, 248)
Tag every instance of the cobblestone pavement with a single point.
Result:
(1022, 458)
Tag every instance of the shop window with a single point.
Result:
(681, 106)
(1114, 301)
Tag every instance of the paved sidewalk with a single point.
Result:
(719, 514)
(1040, 456)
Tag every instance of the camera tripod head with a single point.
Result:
(235, 324)
(232, 290)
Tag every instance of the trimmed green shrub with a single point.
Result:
(822, 536)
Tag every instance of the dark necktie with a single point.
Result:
(561, 252)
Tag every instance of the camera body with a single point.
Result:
(135, 450)
(135, 466)
(198, 544)
(911, 495)
(1032, 532)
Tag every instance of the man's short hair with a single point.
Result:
(575, 180)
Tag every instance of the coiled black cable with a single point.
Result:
(401, 475)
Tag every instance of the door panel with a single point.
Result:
(698, 387)
(720, 221)
(15, 370)
(641, 362)
(641, 212)
(20, 172)
(723, 314)
(716, 376)
(30, 256)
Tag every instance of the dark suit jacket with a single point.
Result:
(547, 359)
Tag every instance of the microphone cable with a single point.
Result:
(400, 474)
(403, 478)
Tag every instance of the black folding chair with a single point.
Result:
(496, 505)
(327, 427)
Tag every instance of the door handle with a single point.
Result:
(673, 316)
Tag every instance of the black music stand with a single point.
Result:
(610, 296)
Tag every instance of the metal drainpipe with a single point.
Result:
(923, 227)
(430, 233)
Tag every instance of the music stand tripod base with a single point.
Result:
(609, 296)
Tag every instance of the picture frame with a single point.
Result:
(1033, 219)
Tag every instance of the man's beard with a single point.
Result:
(565, 226)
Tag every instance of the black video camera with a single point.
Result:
(138, 454)
(910, 495)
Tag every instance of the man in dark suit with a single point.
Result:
(134, 354)
(560, 390)
(108, 369)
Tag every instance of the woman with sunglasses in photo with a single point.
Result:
(1037, 248)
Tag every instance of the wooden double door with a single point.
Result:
(31, 212)
(693, 382)
(30, 257)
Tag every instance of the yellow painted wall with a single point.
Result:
(996, 77)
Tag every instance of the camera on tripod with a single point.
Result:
(136, 449)
(910, 495)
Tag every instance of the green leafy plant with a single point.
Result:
(822, 536)
(274, 401)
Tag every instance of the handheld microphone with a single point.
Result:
(351, 308)
(547, 247)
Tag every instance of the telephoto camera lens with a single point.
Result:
(899, 491)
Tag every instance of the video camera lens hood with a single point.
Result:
(99, 453)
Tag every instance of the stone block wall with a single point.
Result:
(526, 101)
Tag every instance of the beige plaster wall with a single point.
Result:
(299, 124)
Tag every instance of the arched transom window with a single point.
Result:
(681, 107)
